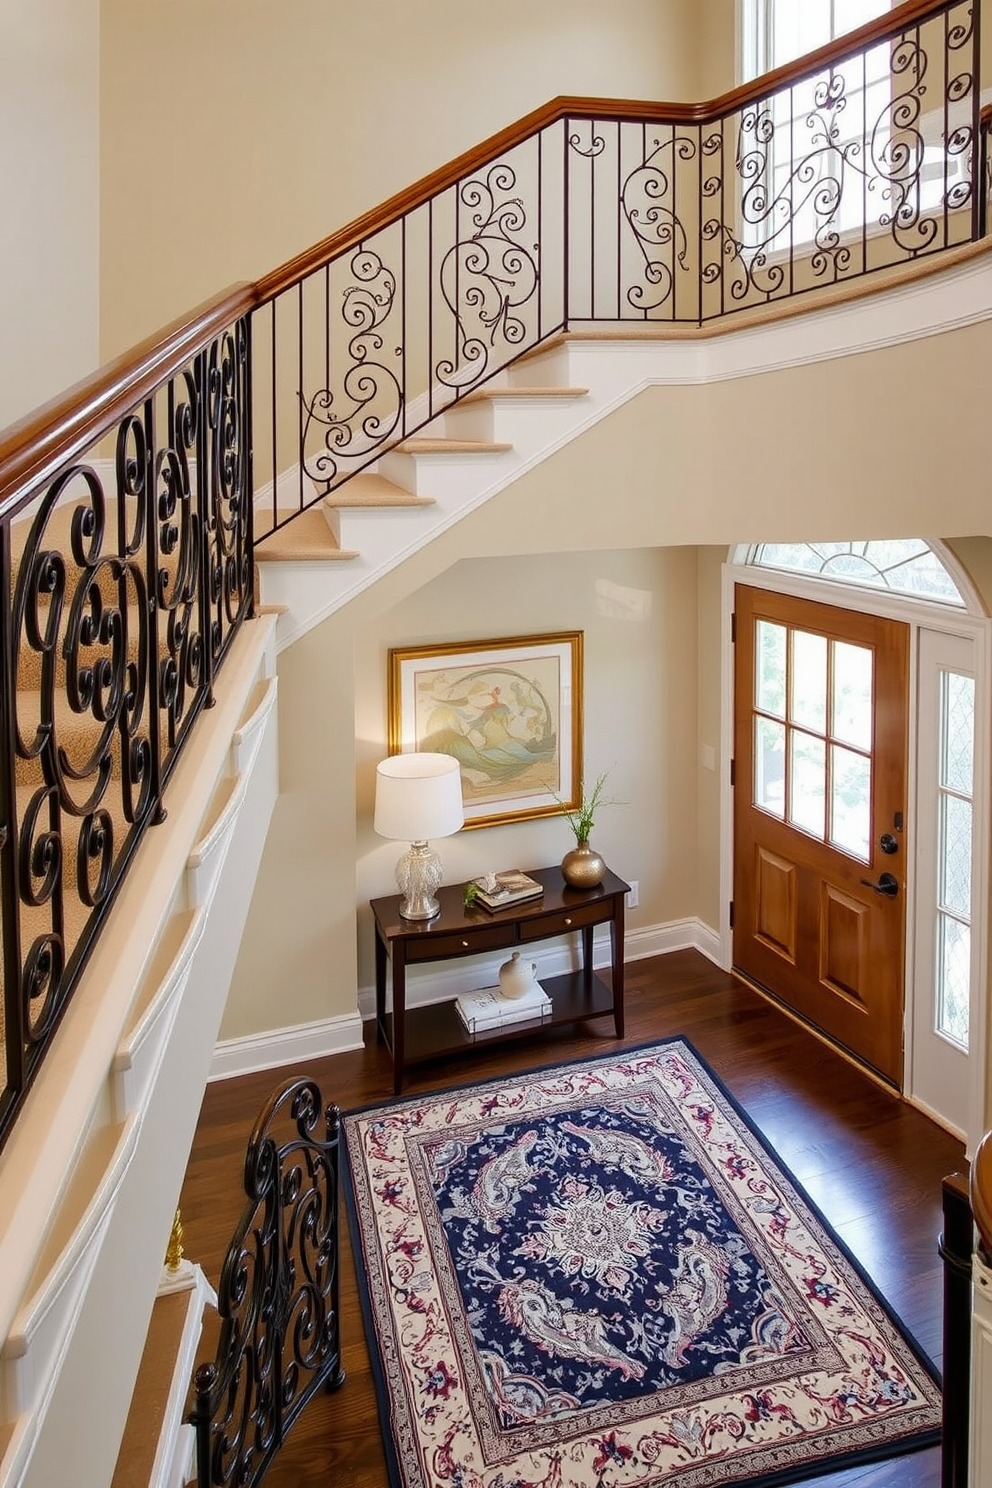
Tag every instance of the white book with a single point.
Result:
(487, 1009)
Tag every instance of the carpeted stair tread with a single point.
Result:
(552, 343)
(424, 446)
(36, 922)
(307, 537)
(482, 394)
(77, 733)
(373, 491)
(58, 535)
(29, 661)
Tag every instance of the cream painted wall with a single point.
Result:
(651, 477)
(636, 610)
(709, 572)
(250, 130)
(50, 195)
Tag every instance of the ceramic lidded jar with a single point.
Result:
(516, 977)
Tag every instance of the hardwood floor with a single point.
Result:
(871, 1162)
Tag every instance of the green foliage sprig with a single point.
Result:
(581, 818)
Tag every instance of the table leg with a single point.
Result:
(399, 1015)
(380, 987)
(616, 947)
(587, 957)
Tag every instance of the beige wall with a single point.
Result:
(49, 198)
(238, 132)
(648, 500)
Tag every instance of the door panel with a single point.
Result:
(820, 743)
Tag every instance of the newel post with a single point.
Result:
(956, 1246)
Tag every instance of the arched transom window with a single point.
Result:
(902, 565)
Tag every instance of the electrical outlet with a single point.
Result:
(633, 894)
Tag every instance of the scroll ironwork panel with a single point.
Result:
(278, 1293)
(124, 578)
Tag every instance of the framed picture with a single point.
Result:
(510, 711)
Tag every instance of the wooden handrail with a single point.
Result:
(32, 449)
(567, 107)
(981, 1192)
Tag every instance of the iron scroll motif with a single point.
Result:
(345, 427)
(107, 661)
(278, 1294)
(796, 173)
(487, 276)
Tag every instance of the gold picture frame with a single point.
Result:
(509, 710)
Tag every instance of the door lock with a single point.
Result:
(888, 843)
(888, 885)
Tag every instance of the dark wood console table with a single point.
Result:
(425, 1033)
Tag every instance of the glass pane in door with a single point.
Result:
(770, 668)
(809, 681)
(850, 802)
(852, 691)
(807, 783)
(769, 766)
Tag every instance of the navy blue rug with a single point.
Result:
(597, 1276)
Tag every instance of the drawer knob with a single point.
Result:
(464, 942)
(567, 920)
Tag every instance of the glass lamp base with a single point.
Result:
(418, 875)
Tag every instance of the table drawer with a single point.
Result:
(462, 943)
(563, 920)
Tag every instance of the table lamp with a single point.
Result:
(418, 796)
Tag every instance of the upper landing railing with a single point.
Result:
(129, 507)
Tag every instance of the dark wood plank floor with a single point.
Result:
(870, 1161)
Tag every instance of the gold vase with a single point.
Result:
(582, 867)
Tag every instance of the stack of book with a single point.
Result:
(486, 1010)
(500, 890)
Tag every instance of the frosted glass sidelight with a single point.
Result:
(769, 766)
(955, 855)
(807, 784)
(852, 694)
(850, 802)
(955, 826)
(958, 732)
(769, 684)
(808, 705)
(953, 979)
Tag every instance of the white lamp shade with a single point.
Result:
(418, 796)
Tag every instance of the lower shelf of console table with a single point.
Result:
(437, 1029)
(414, 1035)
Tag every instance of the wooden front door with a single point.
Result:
(820, 747)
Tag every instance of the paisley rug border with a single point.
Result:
(791, 1475)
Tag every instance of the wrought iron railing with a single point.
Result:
(125, 570)
(280, 1337)
(861, 158)
(129, 509)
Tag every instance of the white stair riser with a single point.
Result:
(526, 423)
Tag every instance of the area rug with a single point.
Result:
(596, 1275)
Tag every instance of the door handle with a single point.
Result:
(888, 885)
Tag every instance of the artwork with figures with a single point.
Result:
(510, 712)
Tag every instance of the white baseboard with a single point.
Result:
(278, 1046)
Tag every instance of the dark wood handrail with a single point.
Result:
(567, 107)
(33, 448)
(981, 1192)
